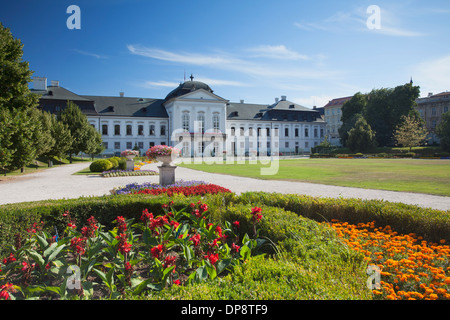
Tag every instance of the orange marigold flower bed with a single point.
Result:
(411, 268)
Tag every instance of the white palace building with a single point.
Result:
(193, 118)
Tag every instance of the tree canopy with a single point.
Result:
(382, 109)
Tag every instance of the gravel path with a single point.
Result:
(58, 183)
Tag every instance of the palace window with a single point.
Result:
(185, 121)
(104, 129)
(140, 130)
(152, 130)
(163, 130)
(129, 130)
(117, 129)
(216, 122)
(201, 122)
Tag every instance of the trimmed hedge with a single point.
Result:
(306, 258)
(433, 225)
(101, 165)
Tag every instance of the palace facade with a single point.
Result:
(193, 118)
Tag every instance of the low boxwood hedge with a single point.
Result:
(431, 224)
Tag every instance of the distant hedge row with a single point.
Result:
(433, 225)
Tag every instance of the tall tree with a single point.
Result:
(410, 132)
(351, 110)
(45, 139)
(6, 130)
(382, 108)
(443, 131)
(93, 145)
(378, 113)
(78, 126)
(62, 139)
(15, 96)
(361, 138)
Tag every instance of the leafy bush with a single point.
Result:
(114, 161)
(122, 165)
(101, 165)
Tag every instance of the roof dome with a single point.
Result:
(186, 87)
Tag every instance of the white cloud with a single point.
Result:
(219, 82)
(183, 57)
(259, 70)
(397, 32)
(165, 84)
(433, 75)
(90, 54)
(356, 20)
(277, 52)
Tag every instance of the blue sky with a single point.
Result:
(310, 51)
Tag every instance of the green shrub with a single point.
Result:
(114, 161)
(122, 165)
(263, 278)
(100, 165)
(433, 225)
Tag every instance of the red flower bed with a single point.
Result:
(187, 191)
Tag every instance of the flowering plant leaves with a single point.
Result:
(176, 247)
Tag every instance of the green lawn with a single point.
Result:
(411, 175)
(42, 164)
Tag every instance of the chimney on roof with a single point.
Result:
(430, 94)
(55, 83)
(276, 100)
(122, 94)
(40, 83)
(283, 98)
(242, 101)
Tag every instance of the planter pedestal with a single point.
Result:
(130, 164)
(166, 174)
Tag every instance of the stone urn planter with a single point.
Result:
(166, 160)
(165, 155)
